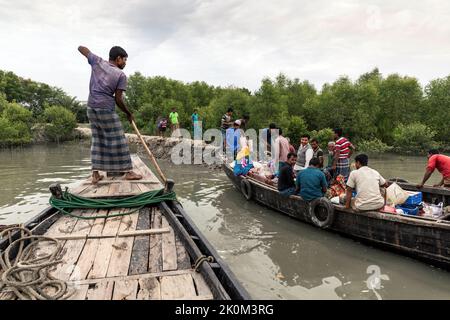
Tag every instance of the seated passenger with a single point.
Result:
(243, 164)
(311, 182)
(286, 183)
(366, 182)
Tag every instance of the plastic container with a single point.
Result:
(414, 199)
(409, 210)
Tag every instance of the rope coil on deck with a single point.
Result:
(27, 277)
(69, 202)
(200, 260)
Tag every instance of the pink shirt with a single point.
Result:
(283, 145)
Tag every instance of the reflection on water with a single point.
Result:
(275, 257)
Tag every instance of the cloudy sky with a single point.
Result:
(227, 42)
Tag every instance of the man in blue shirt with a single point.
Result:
(311, 182)
(233, 136)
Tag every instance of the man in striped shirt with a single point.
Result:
(342, 152)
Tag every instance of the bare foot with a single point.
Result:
(96, 177)
(132, 176)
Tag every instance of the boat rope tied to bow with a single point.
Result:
(68, 202)
(27, 276)
(200, 260)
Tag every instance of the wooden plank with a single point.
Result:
(177, 287)
(200, 285)
(125, 188)
(103, 190)
(73, 248)
(169, 250)
(63, 225)
(126, 234)
(88, 192)
(141, 245)
(125, 290)
(183, 260)
(149, 289)
(80, 188)
(116, 181)
(80, 293)
(114, 189)
(104, 249)
(134, 277)
(155, 253)
(122, 248)
(146, 173)
(87, 256)
(101, 291)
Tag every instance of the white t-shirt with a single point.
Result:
(367, 182)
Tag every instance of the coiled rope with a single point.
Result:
(28, 277)
(69, 202)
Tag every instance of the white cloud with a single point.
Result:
(226, 42)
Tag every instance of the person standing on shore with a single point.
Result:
(195, 118)
(109, 148)
(173, 116)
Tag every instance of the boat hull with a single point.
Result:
(420, 238)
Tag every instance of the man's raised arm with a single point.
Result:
(84, 51)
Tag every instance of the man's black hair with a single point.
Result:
(291, 154)
(338, 131)
(246, 117)
(305, 135)
(230, 109)
(116, 52)
(272, 126)
(363, 159)
(314, 140)
(433, 151)
(314, 162)
(280, 131)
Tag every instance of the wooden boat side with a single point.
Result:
(421, 238)
(133, 265)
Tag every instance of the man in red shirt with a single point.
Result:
(442, 164)
(342, 152)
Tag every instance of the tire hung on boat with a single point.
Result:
(322, 212)
(246, 189)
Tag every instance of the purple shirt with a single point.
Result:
(106, 78)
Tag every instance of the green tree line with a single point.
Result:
(28, 107)
(378, 113)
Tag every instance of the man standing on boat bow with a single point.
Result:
(109, 147)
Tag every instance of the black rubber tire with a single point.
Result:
(398, 180)
(246, 189)
(324, 205)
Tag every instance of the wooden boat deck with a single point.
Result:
(110, 187)
(108, 267)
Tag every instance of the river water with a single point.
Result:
(274, 256)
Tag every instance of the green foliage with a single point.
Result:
(415, 137)
(16, 113)
(15, 123)
(323, 136)
(374, 146)
(297, 126)
(60, 123)
(436, 111)
(35, 95)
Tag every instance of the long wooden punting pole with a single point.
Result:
(150, 154)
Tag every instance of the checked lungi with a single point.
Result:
(343, 168)
(109, 147)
